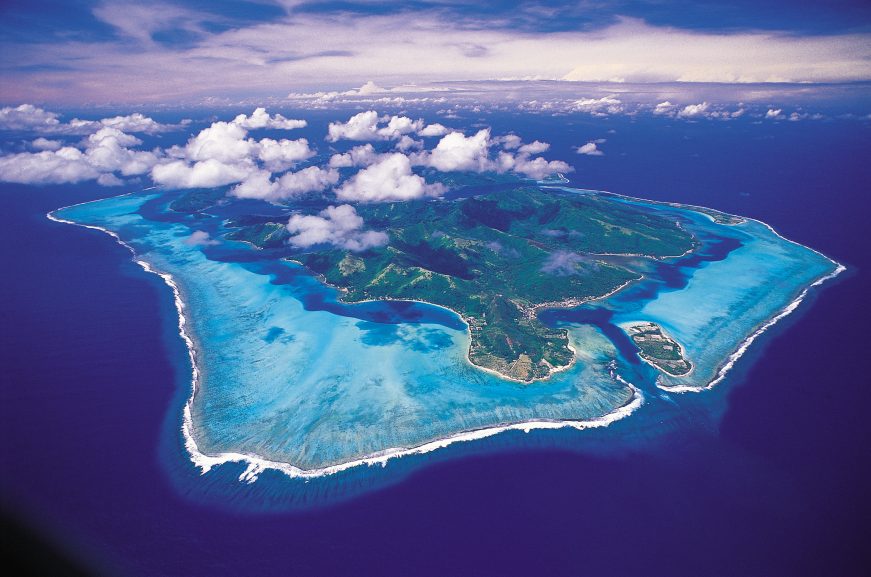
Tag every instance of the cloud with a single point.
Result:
(261, 119)
(694, 110)
(501, 250)
(200, 238)
(388, 179)
(536, 168)
(281, 155)
(563, 263)
(398, 126)
(366, 126)
(774, 114)
(208, 173)
(369, 88)
(599, 106)
(136, 122)
(509, 141)
(314, 50)
(664, 108)
(42, 143)
(311, 179)
(222, 141)
(339, 226)
(406, 143)
(105, 152)
(28, 117)
(536, 147)
(109, 179)
(66, 165)
(457, 152)
(223, 154)
(434, 129)
(362, 126)
(590, 149)
(259, 185)
(362, 155)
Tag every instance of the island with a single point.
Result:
(500, 306)
(659, 349)
(495, 260)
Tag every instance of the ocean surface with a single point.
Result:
(765, 474)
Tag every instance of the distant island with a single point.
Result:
(495, 260)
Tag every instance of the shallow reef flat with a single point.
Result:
(290, 376)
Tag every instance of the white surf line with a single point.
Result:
(742, 348)
(257, 465)
(745, 344)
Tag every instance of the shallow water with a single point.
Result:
(290, 375)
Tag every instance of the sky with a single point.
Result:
(82, 52)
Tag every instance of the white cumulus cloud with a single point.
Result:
(457, 152)
(535, 147)
(42, 143)
(362, 126)
(104, 153)
(538, 168)
(590, 149)
(339, 226)
(694, 110)
(208, 173)
(367, 126)
(28, 117)
(281, 155)
(664, 108)
(66, 165)
(261, 119)
(599, 106)
(259, 184)
(362, 155)
(434, 129)
(32, 118)
(390, 178)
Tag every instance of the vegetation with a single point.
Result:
(197, 200)
(659, 349)
(495, 259)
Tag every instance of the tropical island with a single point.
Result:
(659, 349)
(310, 358)
(496, 260)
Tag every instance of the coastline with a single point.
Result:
(730, 361)
(532, 310)
(257, 464)
(650, 362)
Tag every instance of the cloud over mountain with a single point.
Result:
(389, 178)
(339, 226)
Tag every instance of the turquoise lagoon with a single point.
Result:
(286, 377)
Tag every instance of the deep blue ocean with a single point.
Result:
(773, 482)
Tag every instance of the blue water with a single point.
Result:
(764, 475)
